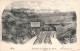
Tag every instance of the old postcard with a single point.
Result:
(39, 25)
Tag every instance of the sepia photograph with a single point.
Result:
(46, 23)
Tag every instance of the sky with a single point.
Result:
(62, 5)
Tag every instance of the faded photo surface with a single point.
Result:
(40, 25)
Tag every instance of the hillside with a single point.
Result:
(16, 24)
